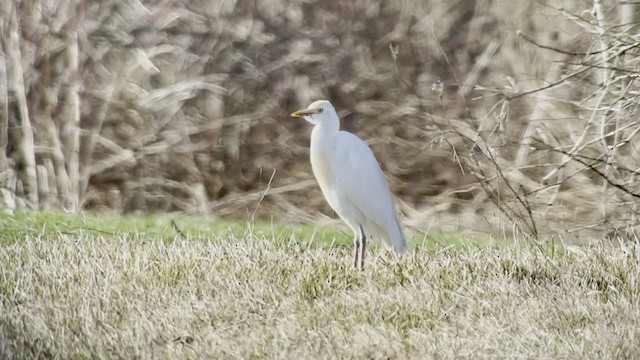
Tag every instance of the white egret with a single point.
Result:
(351, 181)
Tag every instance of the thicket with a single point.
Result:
(486, 115)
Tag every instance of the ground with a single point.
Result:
(112, 287)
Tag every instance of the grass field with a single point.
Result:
(118, 288)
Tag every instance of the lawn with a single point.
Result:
(113, 287)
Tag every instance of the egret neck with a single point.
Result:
(320, 151)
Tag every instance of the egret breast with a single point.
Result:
(321, 169)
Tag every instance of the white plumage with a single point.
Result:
(351, 181)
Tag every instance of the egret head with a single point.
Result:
(320, 112)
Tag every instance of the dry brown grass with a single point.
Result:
(251, 296)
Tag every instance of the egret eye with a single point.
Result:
(321, 110)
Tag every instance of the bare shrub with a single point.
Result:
(184, 107)
(571, 163)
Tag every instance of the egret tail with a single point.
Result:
(396, 238)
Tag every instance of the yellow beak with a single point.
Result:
(304, 112)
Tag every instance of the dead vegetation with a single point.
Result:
(516, 117)
(79, 295)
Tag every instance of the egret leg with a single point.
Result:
(362, 248)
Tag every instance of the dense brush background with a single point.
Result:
(486, 115)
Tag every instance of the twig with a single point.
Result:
(177, 229)
(604, 177)
(481, 64)
(253, 215)
(558, 50)
(15, 77)
(4, 113)
(71, 124)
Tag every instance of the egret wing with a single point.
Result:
(360, 181)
